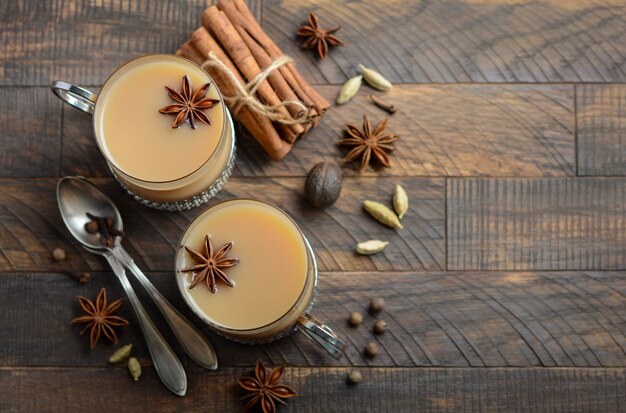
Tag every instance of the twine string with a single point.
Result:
(245, 94)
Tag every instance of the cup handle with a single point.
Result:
(321, 334)
(74, 95)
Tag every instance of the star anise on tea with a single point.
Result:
(100, 318)
(189, 105)
(369, 144)
(318, 38)
(210, 265)
(265, 388)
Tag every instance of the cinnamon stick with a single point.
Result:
(227, 35)
(260, 127)
(264, 60)
(240, 22)
(237, 11)
(189, 51)
(276, 80)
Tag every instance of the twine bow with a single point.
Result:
(245, 94)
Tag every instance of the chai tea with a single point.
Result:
(272, 282)
(147, 154)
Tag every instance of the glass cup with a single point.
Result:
(275, 281)
(174, 184)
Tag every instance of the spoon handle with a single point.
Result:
(193, 342)
(167, 365)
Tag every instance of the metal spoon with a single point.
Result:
(77, 196)
(81, 196)
(167, 365)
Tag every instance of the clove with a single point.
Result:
(384, 105)
(83, 277)
(105, 227)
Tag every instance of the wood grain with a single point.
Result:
(30, 126)
(489, 319)
(31, 226)
(536, 224)
(82, 41)
(501, 104)
(445, 41)
(495, 131)
(324, 390)
(453, 41)
(80, 154)
(601, 120)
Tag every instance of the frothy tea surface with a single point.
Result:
(138, 139)
(271, 273)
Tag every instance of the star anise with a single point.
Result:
(211, 265)
(189, 105)
(265, 389)
(100, 318)
(317, 37)
(369, 144)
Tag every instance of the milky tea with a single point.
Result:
(273, 281)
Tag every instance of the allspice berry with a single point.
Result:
(380, 327)
(377, 305)
(354, 377)
(355, 319)
(92, 226)
(58, 254)
(371, 349)
(323, 184)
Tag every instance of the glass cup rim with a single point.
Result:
(310, 262)
(114, 164)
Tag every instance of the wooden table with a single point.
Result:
(505, 291)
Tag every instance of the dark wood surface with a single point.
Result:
(506, 290)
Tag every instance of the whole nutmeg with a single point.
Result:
(323, 184)
(355, 319)
(377, 305)
(58, 254)
(354, 377)
(380, 327)
(371, 349)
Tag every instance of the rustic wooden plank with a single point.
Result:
(460, 40)
(536, 224)
(445, 41)
(388, 390)
(30, 132)
(31, 226)
(445, 131)
(601, 129)
(491, 319)
(81, 155)
(82, 41)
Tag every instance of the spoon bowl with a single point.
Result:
(76, 197)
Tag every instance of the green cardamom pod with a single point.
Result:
(375, 79)
(134, 368)
(349, 89)
(371, 247)
(400, 201)
(382, 214)
(121, 354)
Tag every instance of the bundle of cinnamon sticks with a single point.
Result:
(231, 32)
